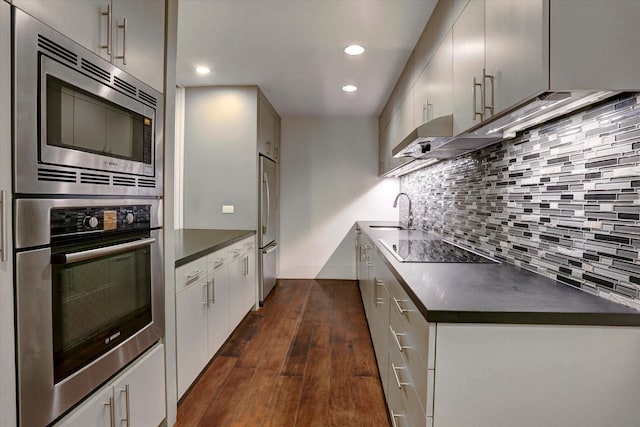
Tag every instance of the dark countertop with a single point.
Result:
(494, 293)
(192, 244)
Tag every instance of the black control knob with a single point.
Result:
(90, 222)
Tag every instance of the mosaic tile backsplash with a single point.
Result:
(560, 200)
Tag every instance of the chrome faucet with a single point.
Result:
(410, 218)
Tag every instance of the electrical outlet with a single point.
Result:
(227, 209)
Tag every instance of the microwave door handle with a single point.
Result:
(73, 257)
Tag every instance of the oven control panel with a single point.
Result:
(74, 221)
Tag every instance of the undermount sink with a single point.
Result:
(387, 227)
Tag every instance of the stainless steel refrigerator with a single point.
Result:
(267, 227)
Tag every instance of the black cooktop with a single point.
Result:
(419, 250)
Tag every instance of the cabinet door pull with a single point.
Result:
(211, 294)
(268, 147)
(475, 100)
(194, 274)
(109, 17)
(123, 27)
(112, 412)
(491, 79)
(397, 339)
(376, 300)
(395, 374)
(394, 416)
(3, 234)
(126, 420)
(205, 288)
(400, 309)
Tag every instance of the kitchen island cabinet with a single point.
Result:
(492, 345)
(215, 288)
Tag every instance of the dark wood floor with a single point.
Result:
(304, 359)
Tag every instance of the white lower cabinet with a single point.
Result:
(135, 398)
(213, 294)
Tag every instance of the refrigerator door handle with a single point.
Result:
(270, 248)
(265, 179)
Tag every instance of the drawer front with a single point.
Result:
(217, 260)
(402, 394)
(407, 320)
(191, 273)
(408, 360)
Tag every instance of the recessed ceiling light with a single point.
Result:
(354, 49)
(202, 70)
(349, 88)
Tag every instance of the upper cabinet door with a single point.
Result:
(138, 46)
(84, 21)
(135, 42)
(516, 52)
(266, 129)
(468, 63)
(432, 91)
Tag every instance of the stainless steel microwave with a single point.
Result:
(82, 125)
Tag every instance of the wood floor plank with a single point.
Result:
(287, 399)
(197, 400)
(304, 359)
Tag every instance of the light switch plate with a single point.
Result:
(228, 209)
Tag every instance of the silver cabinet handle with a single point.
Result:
(397, 339)
(211, 291)
(236, 253)
(205, 289)
(126, 420)
(3, 234)
(376, 300)
(112, 412)
(475, 100)
(123, 27)
(491, 79)
(395, 374)
(268, 147)
(394, 416)
(195, 274)
(71, 258)
(399, 307)
(109, 17)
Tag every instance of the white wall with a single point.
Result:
(328, 181)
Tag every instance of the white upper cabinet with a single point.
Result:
(266, 129)
(468, 63)
(432, 92)
(130, 34)
(516, 57)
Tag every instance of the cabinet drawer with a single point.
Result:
(408, 360)
(407, 320)
(217, 260)
(403, 401)
(191, 273)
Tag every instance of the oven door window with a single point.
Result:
(97, 304)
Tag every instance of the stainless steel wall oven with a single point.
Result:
(82, 125)
(89, 296)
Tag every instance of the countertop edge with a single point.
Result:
(501, 317)
(243, 234)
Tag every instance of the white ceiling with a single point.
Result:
(293, 49)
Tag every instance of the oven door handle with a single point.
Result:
(73, 257)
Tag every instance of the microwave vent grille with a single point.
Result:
(94, 178)
(96, 71)
(147, 183)
(124, 181)
(122, 85)
(57, 50)
(147, 98)
(56, 175)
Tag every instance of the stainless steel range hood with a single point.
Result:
(435, 139)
